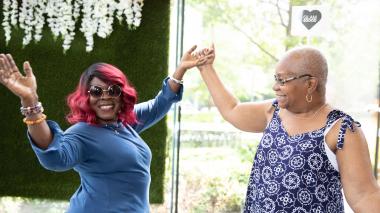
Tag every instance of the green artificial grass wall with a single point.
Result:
(142, 54)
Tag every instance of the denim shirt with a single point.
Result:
(113, 161)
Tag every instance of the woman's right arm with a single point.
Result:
(25, 87)
(250, 116)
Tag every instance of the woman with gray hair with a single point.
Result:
(309, 150)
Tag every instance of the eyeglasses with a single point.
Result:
(283, 81)
(112, 91)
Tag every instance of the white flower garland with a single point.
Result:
(97, 17)
(6, 25)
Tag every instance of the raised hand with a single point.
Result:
(208, 54)
(25, 87)
(190, 59)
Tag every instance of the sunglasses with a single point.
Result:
(112, 91)
(283, 81)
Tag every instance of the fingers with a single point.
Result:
(191, 49)
(7, 64)
(11, 63)
(205, 60)
(5, 72)
(211, 55)
(198, 58)
(28, 69)
(201, 61)
(212, 46)
(2, 71)
(199, 54)
(208, 53)
(2, 63)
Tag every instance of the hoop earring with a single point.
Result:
(309, 98)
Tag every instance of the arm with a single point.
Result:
(63, 153)
(25, 87)
(250, 117)
(359, 185)
(150, 112)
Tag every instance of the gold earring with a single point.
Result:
(309, 98)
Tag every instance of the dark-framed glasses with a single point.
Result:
(283, 81)
(112, 91)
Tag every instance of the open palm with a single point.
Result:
(10, 76)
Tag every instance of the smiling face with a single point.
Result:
(302, 71)
(292, 93)
(105, 107)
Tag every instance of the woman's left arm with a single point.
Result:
(150, 112)
(359, 184)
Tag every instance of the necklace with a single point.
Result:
(311, 117)
(113, 127)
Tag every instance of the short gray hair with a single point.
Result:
(309, 60)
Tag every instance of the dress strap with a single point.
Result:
(347, 122)
(276, 108)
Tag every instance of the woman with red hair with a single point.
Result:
(103, 144)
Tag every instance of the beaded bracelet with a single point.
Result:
(28, 122)
(26, 111)
(176, 80)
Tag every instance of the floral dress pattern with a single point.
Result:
(293, 173)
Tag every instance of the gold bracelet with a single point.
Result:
(28, 122)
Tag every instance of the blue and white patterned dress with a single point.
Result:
(293, 173)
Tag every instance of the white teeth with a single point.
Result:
(106, 107)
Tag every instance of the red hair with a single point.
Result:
(78, 101)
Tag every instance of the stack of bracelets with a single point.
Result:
(28, 111)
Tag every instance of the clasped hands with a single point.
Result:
(202, 57)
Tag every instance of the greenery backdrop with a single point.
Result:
(142, 54)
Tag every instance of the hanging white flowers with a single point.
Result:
(97, 17)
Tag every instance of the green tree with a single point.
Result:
(264, 30)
